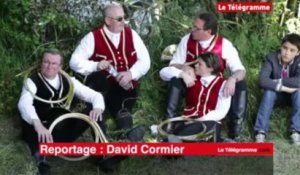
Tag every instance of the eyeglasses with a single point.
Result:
(51, 63)
(119, 19)
(194, 28)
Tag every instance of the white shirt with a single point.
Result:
(28, 112)
(223, 103)
(229, 54)
(80, 58)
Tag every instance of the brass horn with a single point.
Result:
(204, 135)
(168, 52)
(99, 135)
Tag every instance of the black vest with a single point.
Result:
(48, 92)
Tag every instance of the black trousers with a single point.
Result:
(119, 102)
(236, 114)
(66, 131)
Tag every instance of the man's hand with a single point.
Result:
(188, 80)
(44, 134)
(229, 87)
(104, 65)
(124, 78)
(190, 71)
(96, 114)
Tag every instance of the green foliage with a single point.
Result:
(29, 26)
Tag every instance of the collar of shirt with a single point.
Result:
(54, 82)
(113, 37)
(205, 81)
(205, 44)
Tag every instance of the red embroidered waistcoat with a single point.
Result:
(194, 49)
(200, 99)
(122, 57)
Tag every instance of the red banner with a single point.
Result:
(227, 7)
(157, 149)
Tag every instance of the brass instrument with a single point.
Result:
(204, 135)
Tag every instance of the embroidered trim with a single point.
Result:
(191, 54)
(48, 86)
(110, 49)
(189, 109)
(208, 94)
(101, 56)
(124, 52)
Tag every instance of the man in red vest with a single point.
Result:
(114, 58)
(204, 38)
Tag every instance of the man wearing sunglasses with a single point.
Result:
(113, 58)
(204, 38)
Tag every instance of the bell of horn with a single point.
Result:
(168, 52)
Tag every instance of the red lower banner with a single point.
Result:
(156, 149)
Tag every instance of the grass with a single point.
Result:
(15, 158)
(253, 41)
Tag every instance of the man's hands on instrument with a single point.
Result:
(104, 64)
(124, 78)
(44, 134)
(96, 114)
(229, 87)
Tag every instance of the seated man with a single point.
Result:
(204, 37)
(205, 100)
(114, 58)
(50, 84)
(280, 79)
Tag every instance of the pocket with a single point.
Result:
(191, 54)
(189, 109)
(133, 53)
(101, 56)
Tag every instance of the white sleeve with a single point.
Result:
(167, 73)
(80, 58)
(180, 55)
(142, 65)
(89, 95)
(230, 54)
(25, 105)
(178, 58)
(222, 108)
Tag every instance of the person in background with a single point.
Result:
(280, 79)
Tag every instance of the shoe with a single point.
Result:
(295, 137)
(110, 163)
(136, 134)
(44, 168)
(173, 139)
(228, 140)
(260, 138)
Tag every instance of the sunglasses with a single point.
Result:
(119, 19)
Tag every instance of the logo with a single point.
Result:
(252, 7)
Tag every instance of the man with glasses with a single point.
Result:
(204, 38)
(114, 58)
(37, 115)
